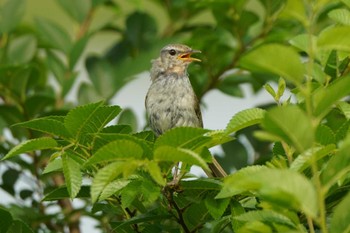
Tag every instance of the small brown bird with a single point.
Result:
(171, 101)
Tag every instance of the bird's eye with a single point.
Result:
(172, 52)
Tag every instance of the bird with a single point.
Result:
(171, 101)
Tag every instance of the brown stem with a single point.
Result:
(84, 27)
(67, 208)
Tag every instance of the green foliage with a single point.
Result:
(288, 161)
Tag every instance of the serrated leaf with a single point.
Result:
(305, 159)
(47, 125)
(334, 38)
(324, 98)
(31, 145)
(325, 135)
(116, 150)
(277, 59)
(53, 166)
(155, 172)
(289, 188)
(341, 217)
(244, 119)
(179, 136)
(104, 178)
(103, 138)
(62, 193)
(267, 216)
(282, 122)
(11, 13)
(53, 35)
(216, 207)
(85, 121)
(338, 166)
(341, 16)
(168, 153)
(112, 188)
(72, 174)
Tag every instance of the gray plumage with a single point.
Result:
(171, 101)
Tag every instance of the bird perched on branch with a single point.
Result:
(171, 101)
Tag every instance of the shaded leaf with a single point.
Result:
(78, 10)
(31, 145)
(53, 35)
(341, 217)
(324, 98)
(62, 193)
(291, 124)
(22, 49)
(216, 207)
(5, 219)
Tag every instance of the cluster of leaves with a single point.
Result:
(300, 185)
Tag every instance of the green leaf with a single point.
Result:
(201, 184)
(345, 108)
(22, 49)
(53, 35)
(266, 216)
(341, 16)
(18, 226)
(216, 207)
(324, 135)
(31, 145)
(230, 85)
(305, 159)
(302, 42)
(289, 188)
(128, 117)
(324, 98)
(270, 90)
(104, 178)
(47, 125)
(86, 120)
(155, 172)
(291, 124)
(72, 174)
(180, 136)
(244, 119)
(78, 10)
(11, 13)
(77, 49)
(62, 193)
(274, 58)
(5, 220)
(334, 38)
(341, 217)
(168, 153)
(53, 166)
(338, 166)
(116, 150)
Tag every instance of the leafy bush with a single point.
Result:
(299, 181)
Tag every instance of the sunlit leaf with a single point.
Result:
(78, 10)
(334, 38)
(341, 217)
(288, 188)
(341, 16)
(277, 59)
(267, 216)
(72, 174)
(116, 150)
(244, 119)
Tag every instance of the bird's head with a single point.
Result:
(176, 57)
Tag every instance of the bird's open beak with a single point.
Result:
(187, 56)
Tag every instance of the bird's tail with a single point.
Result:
(216, 169)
